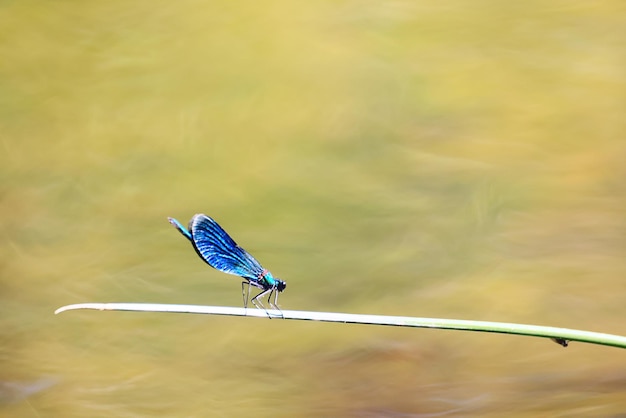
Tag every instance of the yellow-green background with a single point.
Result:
(443, 159)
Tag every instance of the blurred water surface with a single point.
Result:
(449, 160)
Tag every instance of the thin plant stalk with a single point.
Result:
(561, 336)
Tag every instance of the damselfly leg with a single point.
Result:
(257, 302)
(275, 303)
(245, 294)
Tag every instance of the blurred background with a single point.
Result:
(456, 160)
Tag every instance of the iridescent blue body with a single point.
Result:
(222, 253)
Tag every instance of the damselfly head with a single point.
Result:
(280, 285)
